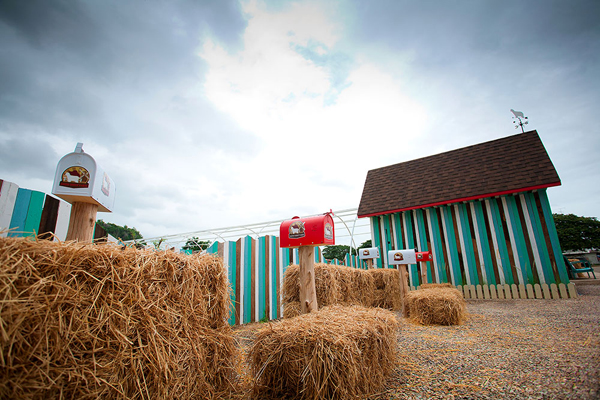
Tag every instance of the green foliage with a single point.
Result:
(195, 244)
(336, 251)
(577, 233)
(120, 232)
(366, 244)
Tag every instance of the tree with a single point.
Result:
(338, 251)
(195, 244)
(366, 244)
(120, 232)
(577, 233)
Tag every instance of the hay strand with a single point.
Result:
(436, 306)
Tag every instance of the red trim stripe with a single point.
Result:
(460, 200)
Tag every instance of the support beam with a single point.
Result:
(83, 219)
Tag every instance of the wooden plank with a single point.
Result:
(82, 222)
(486, 292)
(479, 292)
(248, 281)
(49, 217)
(466, 244)
(514, 291)
(546, 291)
(482, 240)
(17, 222)
(239, 282)
(493, 293)
(500, 291)
(499, 242)
(540, 242)
(507, 294)
(410, 242)
(530, 294)
(522, 291)
(549, 221)
(34, 213)
(460, 289)
(267, 273)
(451, 250)
(473, 291)
(562, 289)
(422, 244)
(231, 253)
(514, 243)
(467, 292)
(386, 234)
(572, 290)
(436, 245)
(538, 291)
(62, 221)
(376, 230)
(255, 281)
(8, 197)
(554, 291)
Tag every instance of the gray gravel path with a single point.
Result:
(507, 349)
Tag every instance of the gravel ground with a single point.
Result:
(510, 349)
(507, 349)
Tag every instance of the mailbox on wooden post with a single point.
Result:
(368, 254)
(81, 182)
(305, 234)
(402, 258)
(423, 257)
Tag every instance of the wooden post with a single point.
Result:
(404, 289)
(369, 263)
(423, 272)
(308, 292)
(83, 219)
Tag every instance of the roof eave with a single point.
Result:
(460, 200)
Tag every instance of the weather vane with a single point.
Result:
(519, 115)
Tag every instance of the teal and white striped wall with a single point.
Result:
(25, 212)
(508, 239)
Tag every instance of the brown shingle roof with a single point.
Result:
(501, 166)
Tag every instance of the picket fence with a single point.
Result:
(25, 212)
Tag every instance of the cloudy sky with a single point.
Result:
(216, 113)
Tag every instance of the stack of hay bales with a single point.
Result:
(334, 284)
(101, 321)
(436, 304)
(338, 352)
(387, 288)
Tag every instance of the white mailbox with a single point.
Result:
(398, 257)
(79, 179)
(368, 253)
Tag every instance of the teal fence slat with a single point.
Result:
(414, 272)
(377, 243)
(19, 215)
(540, 241)
(437, 244)
(452, 247)
(549, 221)
(501, 240)
(232, 275)
(34, 213)
(423, 240)
(262, 282)
(473, 278)
(517, 231)
(485, 242)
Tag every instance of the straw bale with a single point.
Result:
(291, 309)
(103, 321)
(436, 306)
(436, 286)
(326, 284)
(387, 288)
(338, 352)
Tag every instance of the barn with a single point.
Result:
(482, 211)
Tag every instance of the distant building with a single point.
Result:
(481, 210)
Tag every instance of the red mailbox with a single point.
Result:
(424, 256)
(310, 231)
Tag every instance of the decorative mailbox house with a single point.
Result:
(81, 182)
(310, 231)
(79, 179)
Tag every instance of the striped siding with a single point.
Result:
(517, 240)
(466, 244)
(8, 198)
(451, 249)
(422, 240)
(407, 222)
(499, 242)
(483, 242)
(19, 215)
(548, 221)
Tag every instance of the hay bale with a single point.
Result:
(387, 288)
(99, 321)
(326, 284)
(436, 286)
(338, 352)
(291, 309)
(436, 306)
